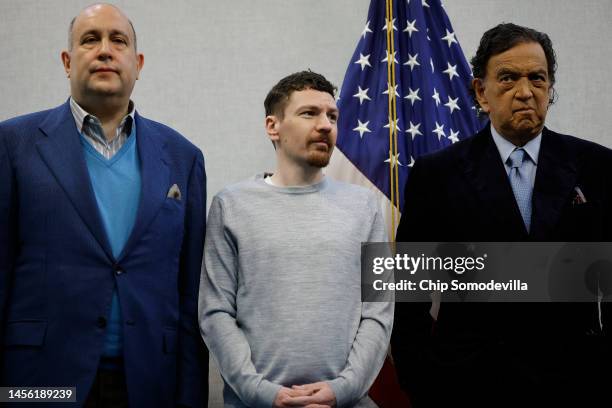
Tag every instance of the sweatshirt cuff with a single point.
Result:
(341, 390)
(265, 394)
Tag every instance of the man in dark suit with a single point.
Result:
(515, 180)
(102, 216)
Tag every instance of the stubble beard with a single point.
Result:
(318, 158)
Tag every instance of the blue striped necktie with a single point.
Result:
(521, 185)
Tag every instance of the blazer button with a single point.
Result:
(118, 270)
(101, 323)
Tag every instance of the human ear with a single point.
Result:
(65, 55)
(139, 64)
(271, 125)
(478, 86)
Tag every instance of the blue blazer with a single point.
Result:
(57, 271)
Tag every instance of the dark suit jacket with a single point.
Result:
(495, 354)
(57, 271)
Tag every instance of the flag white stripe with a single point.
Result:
(342, 169)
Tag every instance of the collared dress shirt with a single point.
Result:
(91, 128)
(532, 150)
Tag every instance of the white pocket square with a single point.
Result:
(174, 192)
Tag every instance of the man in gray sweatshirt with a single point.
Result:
(280, 299)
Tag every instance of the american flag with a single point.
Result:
(433, 107)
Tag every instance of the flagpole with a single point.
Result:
(393, 156)
(395, 205)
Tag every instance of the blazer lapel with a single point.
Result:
(556, 176)
(484, 168)
(155, 177)
(62, 152)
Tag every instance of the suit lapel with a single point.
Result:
(555, 178)
(484, 168)
(155, 177)
(63, 153)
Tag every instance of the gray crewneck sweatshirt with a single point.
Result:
(280, 298)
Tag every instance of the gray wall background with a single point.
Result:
(209, 64)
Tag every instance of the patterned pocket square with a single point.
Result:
(174, 192)
(579, 198)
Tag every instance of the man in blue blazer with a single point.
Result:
(102, 216)
(515, 180)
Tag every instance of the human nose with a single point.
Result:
(104, 52)
(523, 89)
(324, 124)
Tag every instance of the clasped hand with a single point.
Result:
(315, 395)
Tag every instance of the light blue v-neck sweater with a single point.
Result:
(116, 184)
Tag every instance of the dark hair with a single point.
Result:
(277, 98)
(505, 36)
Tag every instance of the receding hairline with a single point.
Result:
(71, 25)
